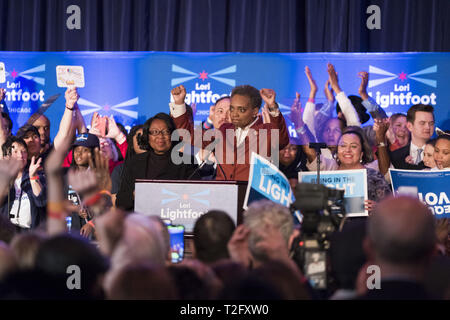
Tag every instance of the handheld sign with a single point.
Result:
(70, 76)
(2, 73)
(266, 181)
(354, 182)
(432, 188)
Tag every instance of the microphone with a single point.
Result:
(210, 150)
(317, 146)
(221, 169)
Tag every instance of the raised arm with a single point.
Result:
(301, 128)
(4, 130)
(80, 125)
(178, 112)
(36, 185)
(374, 109)
(117, 135)
(349, 112)
(56, 208)
(2, 96)
(66, 129)
(380, 127)
(310, 107)
(9, 168)
(326, 111)
(276, 118)
(178, 107)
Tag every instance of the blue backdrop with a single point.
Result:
(133, 86)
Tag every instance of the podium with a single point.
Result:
(184, 201)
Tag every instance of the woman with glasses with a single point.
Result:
(157, 163)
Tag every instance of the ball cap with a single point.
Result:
(87, 140)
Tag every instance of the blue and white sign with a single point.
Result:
(183, 202)
(266, 181)
(133, 86)
(354, 182)
(432, 188)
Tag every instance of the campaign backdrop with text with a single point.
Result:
(133, 86)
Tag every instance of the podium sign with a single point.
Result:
(183, 202)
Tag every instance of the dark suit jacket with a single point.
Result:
(37, 203)
(397, 290)
(398, 159)
(137, 168)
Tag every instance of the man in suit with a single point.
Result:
(246, 133)
(420, 122)
(401, 241)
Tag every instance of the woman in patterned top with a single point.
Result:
(353, 152)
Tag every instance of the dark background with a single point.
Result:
(225, 25)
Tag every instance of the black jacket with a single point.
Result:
(37, 203)
(398, 159)
(299, 164)
(397, 290)
(139, 167)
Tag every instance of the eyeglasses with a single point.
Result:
(165, 132)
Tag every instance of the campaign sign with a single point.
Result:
(2, 73)
(70, 76)
(354, 182)
(183, 202)
(266, 181)
(432, 188)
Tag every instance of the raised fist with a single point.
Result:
(71, 97)
(179, 94)
(268, 95)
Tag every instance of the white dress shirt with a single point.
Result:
(241, 133)
(413, 152)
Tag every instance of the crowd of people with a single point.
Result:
(70, 202)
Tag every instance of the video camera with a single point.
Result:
(323, 210)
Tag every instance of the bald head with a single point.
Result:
(43, 125)
(402, 230)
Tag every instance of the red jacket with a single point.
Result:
(228, 153)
